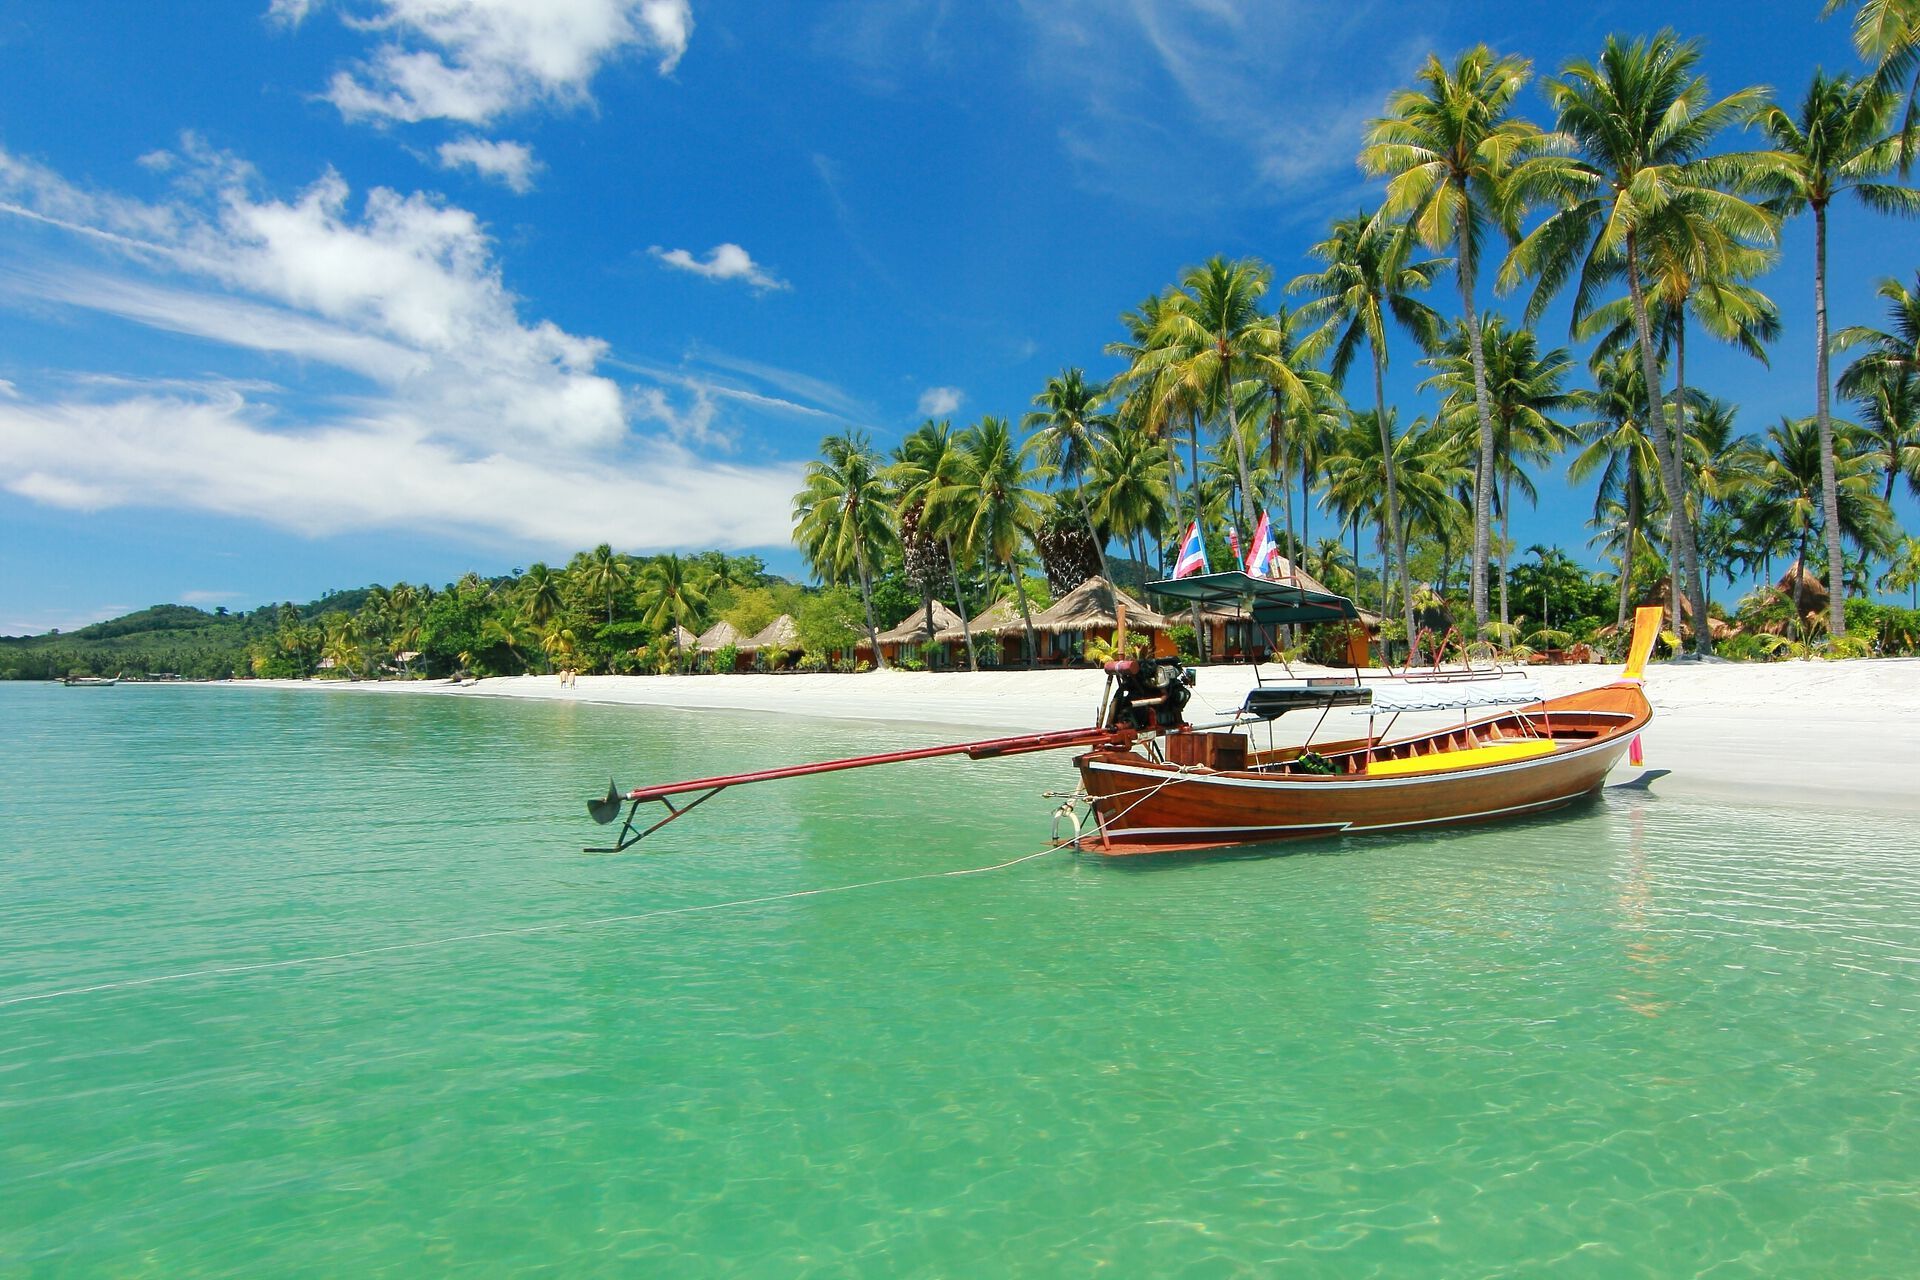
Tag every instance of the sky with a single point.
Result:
(305, 294)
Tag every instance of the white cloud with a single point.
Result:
(220, 453)
(8, 390)
(511, 163)
(723, 262)
(940, 402)
(208, 597)
(474, 420)
(474, 60)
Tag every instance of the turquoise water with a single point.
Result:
(1652, 1038)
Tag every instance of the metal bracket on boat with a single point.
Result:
(607, 809)
(1069, 810)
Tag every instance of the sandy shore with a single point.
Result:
(1833, 734)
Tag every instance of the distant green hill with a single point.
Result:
(173, 639)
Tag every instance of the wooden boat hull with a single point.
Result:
(1148, 806)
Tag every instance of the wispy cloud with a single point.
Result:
(509, 163)
(475, 60)
(208, 597)
(939, 402)
(723, 262)
(476, 421)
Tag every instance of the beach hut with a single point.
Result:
(717, 637)
(1089, 612)
(999, 637)
(907, 639)
(683, 640)
(776, 646)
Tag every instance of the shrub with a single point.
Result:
(725, 657)
(1186, 642)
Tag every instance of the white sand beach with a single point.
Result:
(1820, 734)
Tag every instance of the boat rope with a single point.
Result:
(428, 944)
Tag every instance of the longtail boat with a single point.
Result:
(1151, 782)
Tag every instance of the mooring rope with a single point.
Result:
(222, 971)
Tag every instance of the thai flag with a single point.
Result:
(1193, 554)
(1264, 548)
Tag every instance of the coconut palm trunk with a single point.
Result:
(1484, 473)
(1626, 551)
(1665, 447)
(1506, 514)
(866, 602)
(1026, 617)
(1829, 485)
(960, 604)
(1399, 544)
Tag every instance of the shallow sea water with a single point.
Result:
(1652, 1037)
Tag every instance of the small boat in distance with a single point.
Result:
(1153, 783)
(90, 682)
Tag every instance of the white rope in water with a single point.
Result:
(222, 971)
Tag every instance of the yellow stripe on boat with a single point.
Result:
(1465, 758)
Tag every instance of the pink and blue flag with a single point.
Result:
(1193, 554)
(1264, 548)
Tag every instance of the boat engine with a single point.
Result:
(1149, 693)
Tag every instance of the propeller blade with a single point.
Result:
(606, 810)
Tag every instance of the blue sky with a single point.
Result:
(300, 294)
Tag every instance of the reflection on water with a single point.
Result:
(1643, 1037)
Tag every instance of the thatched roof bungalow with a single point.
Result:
(1090, 611)
(717, 637)
(778, 641)
(997, 630)
(911, 634)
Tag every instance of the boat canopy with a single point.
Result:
(1265, 600)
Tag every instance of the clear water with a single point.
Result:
(1650, 1038)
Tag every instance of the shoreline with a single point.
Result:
(1816, 734)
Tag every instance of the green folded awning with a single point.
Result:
(1266, 600)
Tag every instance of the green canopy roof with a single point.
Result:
(1262, 599)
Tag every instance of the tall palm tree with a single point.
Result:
(1639, 124)
(1448, 147)
(1132, 488)
(1521, 390)
(927, 468)
(1885, 379)
(1887, 34)
(1212, 334)
(540, 596)
(1790, 483)
(1069, 430)
(1839, 142)
(1903, 570)
(842, 519)
(1618, 451)
(999, 492)
(672, 597)
(603, 573)
(1369, 278)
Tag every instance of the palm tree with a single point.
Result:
(842, 519)
(1069, 431)
(1448, 148)
(1903, 570)
(1520, 390)
(1790, 486)
(1840, 142)
(1132, 488)
(1639, 124)
(604, 573)
(927, 468)
(672, 597)
(1887, 33)
(1619, 452)
(1885, 379)
(1212, 333)
(998, 492)
(1369, 278)
(540, 594)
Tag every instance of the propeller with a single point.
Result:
(606, 810)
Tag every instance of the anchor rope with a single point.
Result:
(222, 971)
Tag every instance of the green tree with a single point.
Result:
(998, 491)
(927, 469)
(1370, 278)
(1885, 380)
(672, 596)
(1069, 429)
(1639, 124)
(1840, 142)
(604, 574)
(1448, 148)
(843, 518)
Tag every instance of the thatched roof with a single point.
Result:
(1285, 570)
(1807, 593)
(914, 627)
(781, 633)
(683, 638)
(1092, 605)
(999, 618)
(717, 637)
